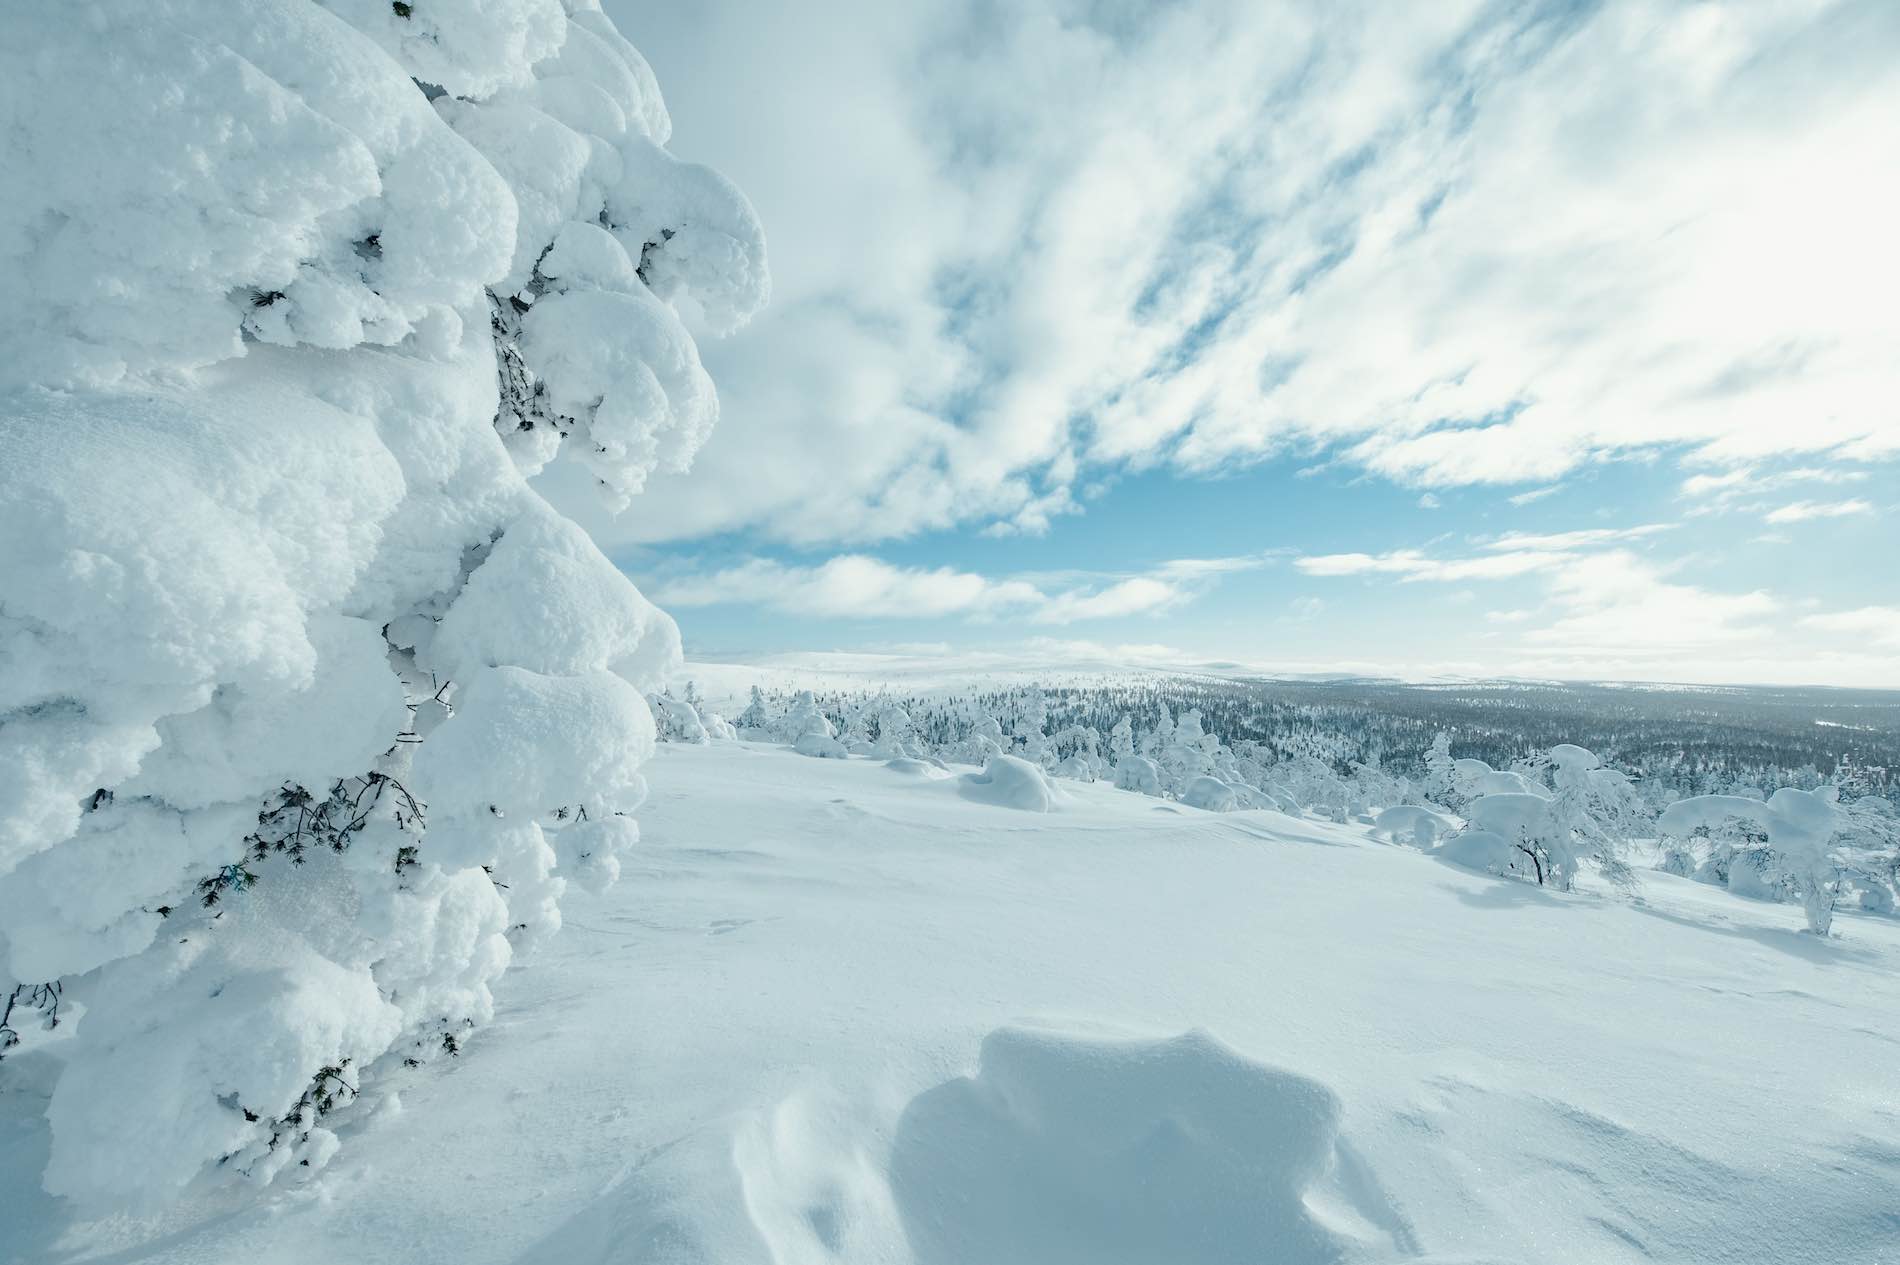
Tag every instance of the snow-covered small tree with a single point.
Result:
(1869, 841)
(676, 719)
(756, 720)
(893, 732)
(1139, 774)
(1597, 806)
(1587, 811)
(1800, 826)
(1032, 722)
(1156, 740)
(809, 731)
(1440, 780)
(1183, 755)
(855, 732)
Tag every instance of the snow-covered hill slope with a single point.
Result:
(838, 1011)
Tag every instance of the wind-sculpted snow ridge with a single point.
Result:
(1074, 1149)
(309, 705)
(1063, 1147)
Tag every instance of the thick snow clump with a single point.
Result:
(309, 704)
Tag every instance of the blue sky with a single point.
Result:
(1541, 339)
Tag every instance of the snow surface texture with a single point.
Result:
(309, 705)
(849, 1016)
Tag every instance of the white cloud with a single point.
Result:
(1618, 603)
(850, 585)
(1877, 624)
(1203, 568)
(1410, 564)
(1567, 540)
(1429, 502)
(1522, 499)
(1451, 243)
(857, 586)
(1744, 487)
(1139, 595)
(1800, 511)
(1727, 482)
(1602, 603)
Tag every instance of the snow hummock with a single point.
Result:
(1012, 783)
(1211, 794)
(1069, 1147)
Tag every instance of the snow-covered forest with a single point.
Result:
(1539, 814)
(1678, 741)
(379, 881)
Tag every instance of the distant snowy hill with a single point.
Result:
(845, 1012)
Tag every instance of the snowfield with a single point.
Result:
(842, 1011)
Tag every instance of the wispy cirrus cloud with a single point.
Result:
(1800, 511)
(1499, 557)
(1749, 490)
(1533, 495)
(858, 586)
(1411, 564)
(1599, 596)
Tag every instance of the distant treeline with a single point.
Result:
(1686, 741)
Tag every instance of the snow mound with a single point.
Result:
(1483, 850)
(1412, 823)
(1513, 814)
(1070, 1149)
(1012, 783)
(924, 770)
(819, 746)
(1138, 773)
(1211, 794)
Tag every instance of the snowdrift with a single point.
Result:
(1012, 783)
(849, 1017)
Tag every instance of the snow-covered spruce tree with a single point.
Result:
(676, 719)
(1032, 742)
(756, 721)
(309, 704)
(1440, 779)
(893, 732)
